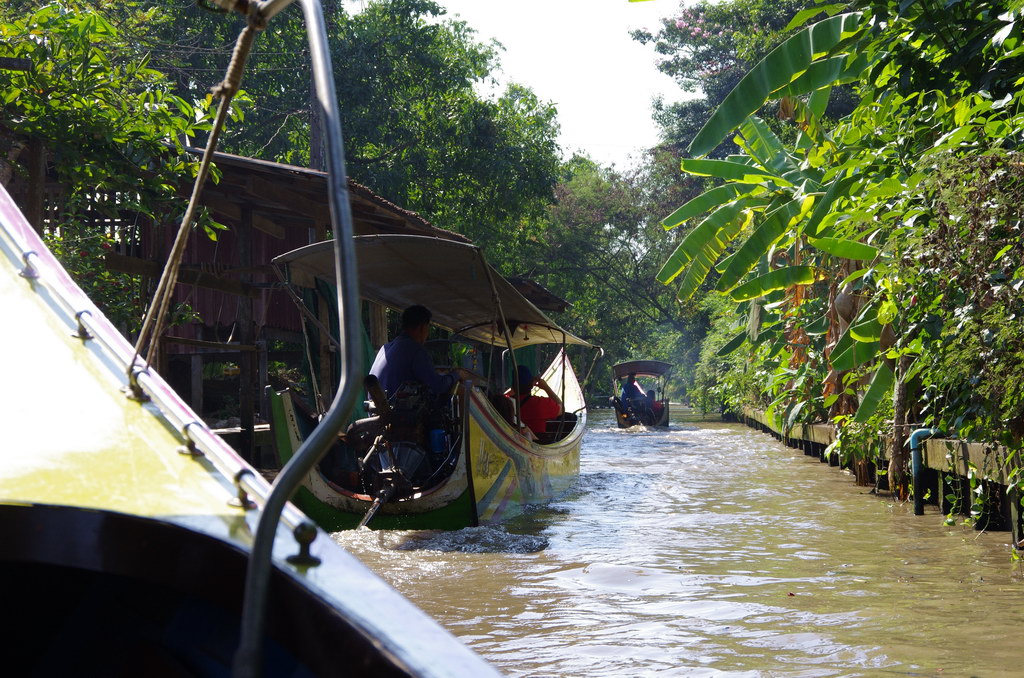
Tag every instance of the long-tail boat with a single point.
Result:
(128, 524)
(135, 541)
(486, 469)
(652, 409)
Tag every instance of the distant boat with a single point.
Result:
(127, 525)
(652, 410)
(477, 468)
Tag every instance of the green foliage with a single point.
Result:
(91, 97)
(118, 295)
(419, 129)
(113, 126)
(881, 385)
(909, 207)
(779, 279)
(721, 377)
(708, 47)
(792, 60)
(600, 247)
(974, 378)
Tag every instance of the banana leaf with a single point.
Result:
(696, 239)
(867, 332)
(767, 233)
(817, 326)
(835, 70)
(838, 188)
(780, 67)
(845, 249)
(706, 257)
(803, 15)
(881, 383)
(855, 354)
(730, 171)
(733, 344)
(705, 202)
(760, 142)
(792, 414)
(724, 263)
(808, 117)
(779, 279)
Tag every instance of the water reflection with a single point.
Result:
(711, 550)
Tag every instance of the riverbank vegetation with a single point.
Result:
(869, 268)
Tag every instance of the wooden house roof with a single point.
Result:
(280, 195)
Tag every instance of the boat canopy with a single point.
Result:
(641, 368)
(448, 277)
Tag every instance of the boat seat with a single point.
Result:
(556, 429)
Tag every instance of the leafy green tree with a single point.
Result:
(599, 247)
(112, 125)
(707, 47)
(859, 208)
(417, 129)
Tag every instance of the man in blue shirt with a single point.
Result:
(631, 390)
(404, 358)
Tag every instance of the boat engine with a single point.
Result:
(390, 444)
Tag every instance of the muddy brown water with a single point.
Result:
(712, 550)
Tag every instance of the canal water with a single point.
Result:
(712, 550)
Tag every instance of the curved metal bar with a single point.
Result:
(247, 659)
(505, 332)
(598, 354)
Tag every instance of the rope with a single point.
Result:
(153, 324)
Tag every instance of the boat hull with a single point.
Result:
(169, 605)
(500, 473)
(625, 419)
(128, 524)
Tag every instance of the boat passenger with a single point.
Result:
(632, 393)
(655, 405)
(535, 410)
(405, 358)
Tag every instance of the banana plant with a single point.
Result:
(775, 200)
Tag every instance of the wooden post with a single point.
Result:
(36, 184)
(262, 370)
(378, 326)
(325, 354)
(1013, 505)
(246, 397)
(325, 376)
(196, 381)
(898, 485)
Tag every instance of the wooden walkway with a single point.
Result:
(953, 471)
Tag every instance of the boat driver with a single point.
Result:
(632, 393)
(405, 357)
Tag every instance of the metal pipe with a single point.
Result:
(507, 335)
(269, 8)
(915, 465)
(248, 657)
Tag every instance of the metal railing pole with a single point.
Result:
(248, 659)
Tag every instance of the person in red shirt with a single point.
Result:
(535, 410)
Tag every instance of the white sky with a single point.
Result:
(579, 55)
